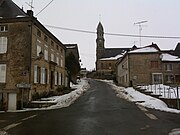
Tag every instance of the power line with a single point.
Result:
(69, 29)
(113, 34)
(44, 7)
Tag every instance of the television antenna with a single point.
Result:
(30, 4)
(139, 24)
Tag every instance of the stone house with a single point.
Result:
(32, 59)
(106, 58)
(147, 65)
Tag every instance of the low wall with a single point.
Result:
(172, 103)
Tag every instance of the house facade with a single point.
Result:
(32, 59)
(147, 65)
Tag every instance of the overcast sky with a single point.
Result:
(117, 16)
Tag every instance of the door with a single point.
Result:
(12, 101)
(1, 101)
(52, 79)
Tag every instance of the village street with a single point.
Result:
(97, 112)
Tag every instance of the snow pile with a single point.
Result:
(63, 100)
(141, 99)
(67, 99)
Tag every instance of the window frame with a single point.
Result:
(3, 44)
(3, 73)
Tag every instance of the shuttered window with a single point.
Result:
(3, 45)
(2, 73)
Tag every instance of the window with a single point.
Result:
(38, 47)
(168, 67)
(46, 76)
(52, 55)
(36, 74)
(39, 33)
(154, 64)
(45, 38)
(3, 45)
(57, 47)
(2, 73)
(52, 43)
(169, 78)
(46, 52)
(157, 78)
(57, 59)
(61, 61)
(60, 79)
(55, 79)
(3, 28)
(43, 76)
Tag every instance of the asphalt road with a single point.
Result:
(97, 112)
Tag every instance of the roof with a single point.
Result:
(147, 49)
(100, 27)
(177, 50)
(113, 58)
(169, 57)
(10, 10)
(112, 52)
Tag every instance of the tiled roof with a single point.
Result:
(112, 52)
(8, 9)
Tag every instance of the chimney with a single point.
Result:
(30, 13)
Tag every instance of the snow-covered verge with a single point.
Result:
(64, 100)
(132, 95)
(67, 99)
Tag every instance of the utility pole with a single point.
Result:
(139, 24)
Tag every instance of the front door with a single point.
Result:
(52, 79)
(12, 101)
(1, 101)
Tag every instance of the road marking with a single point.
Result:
(142, 108)
(30, 117)
(151, 116)
(16, 124)
(12, 126)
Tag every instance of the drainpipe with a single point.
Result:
(128, 68)
(30, 63)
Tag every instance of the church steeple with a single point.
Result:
(99, 41)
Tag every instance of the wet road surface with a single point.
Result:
(97, 112)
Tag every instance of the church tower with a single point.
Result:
(99, 42)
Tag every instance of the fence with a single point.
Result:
(165, 92)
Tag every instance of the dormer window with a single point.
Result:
(3, 28)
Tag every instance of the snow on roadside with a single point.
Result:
(63, 100)
(139, 98)
(67, 99)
